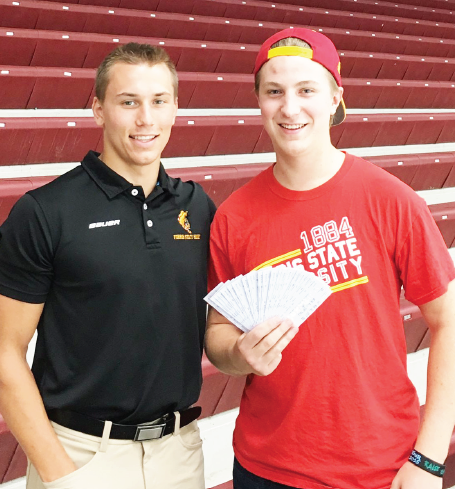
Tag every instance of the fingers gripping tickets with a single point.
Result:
(259, 351)
(257, 304)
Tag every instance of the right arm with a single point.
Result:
(257, 352)
(227, 347)
(20, 401)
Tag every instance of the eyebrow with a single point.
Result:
(303, 82)
(135, 95)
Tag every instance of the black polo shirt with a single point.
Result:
(123, 279)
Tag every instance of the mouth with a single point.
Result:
(144, 138)
(292, 127)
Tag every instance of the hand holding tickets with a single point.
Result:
(250, 299)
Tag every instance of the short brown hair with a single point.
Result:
(133, 53)
(294, 41)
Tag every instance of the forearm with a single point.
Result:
(437, 426)
(220, 345)
(23, 410)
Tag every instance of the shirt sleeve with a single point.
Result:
(26, 253)
(425, 265)
(220, 268)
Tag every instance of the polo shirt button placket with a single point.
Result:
(151, 236)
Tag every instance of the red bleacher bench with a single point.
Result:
(262, 10)
(52, 140)
(381, 8)
(31, 47)
(30, 87)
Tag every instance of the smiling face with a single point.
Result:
(137, 114)
(296, 99)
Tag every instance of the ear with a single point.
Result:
(337, 96)
(176, 108)
(97, 108)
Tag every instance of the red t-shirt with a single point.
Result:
(340, 410)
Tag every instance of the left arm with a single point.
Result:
(439, 419)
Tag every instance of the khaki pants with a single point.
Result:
(172, 462)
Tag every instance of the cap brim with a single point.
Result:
(340, 114)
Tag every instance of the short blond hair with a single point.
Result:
(133, 53)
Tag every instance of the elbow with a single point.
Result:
(12, 361)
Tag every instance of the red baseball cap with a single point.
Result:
(322, 51)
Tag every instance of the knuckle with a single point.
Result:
(256, 366)
(268, 343)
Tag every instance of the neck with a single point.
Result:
(144, 176)
(308, 170)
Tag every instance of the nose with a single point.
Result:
(144, 115)
(290, 107)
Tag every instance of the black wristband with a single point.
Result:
(427, 464)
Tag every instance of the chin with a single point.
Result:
(144, 158)
(145, 162)
(292, 150)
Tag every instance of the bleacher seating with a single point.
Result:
(12, 458)
(52, 140)
(382, 8)
(398, 55)
(31, 47)
(443, 215)
(37, 87)
(420, 172)
(272, 11)
(125, 22)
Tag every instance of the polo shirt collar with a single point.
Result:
(114, 184)
(165, 182)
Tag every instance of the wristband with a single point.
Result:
(427, 464)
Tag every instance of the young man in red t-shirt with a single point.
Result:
(329, 404)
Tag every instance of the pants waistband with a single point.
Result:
(158, 428)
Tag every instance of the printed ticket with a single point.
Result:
(248, 300)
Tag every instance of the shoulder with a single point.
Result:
(239, 212)
(188, 187)
(34, 203)
(193, 193)
(65, 184)
(382, 185)
(243, 200)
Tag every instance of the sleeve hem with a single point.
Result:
(22, 296)
(434, 294)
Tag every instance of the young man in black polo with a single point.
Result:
(108, 262)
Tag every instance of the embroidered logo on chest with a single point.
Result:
(185, 223)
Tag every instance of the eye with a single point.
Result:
(128, 103)
(273, 91)
(159, 102)
(307, 90)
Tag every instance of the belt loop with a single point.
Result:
(177, 423)
(105, 437)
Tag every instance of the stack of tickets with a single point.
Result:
(250, 299)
